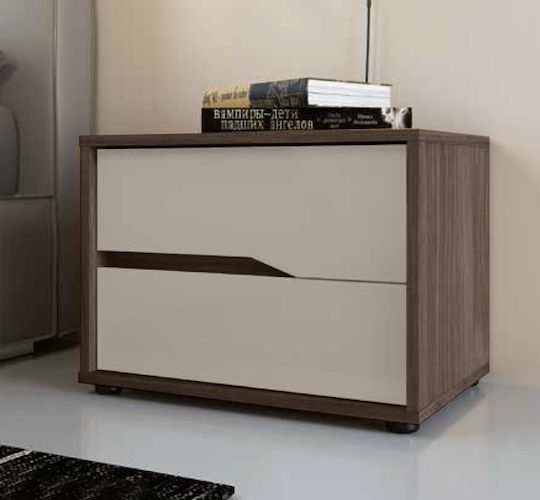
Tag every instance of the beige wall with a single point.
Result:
(465, 65)
(468, 65)
(156, 57)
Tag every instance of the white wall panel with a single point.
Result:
(26, 271)
(74, 100)
(27, 36)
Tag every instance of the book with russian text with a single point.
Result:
(267, 119)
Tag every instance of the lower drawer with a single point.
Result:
(326, 338)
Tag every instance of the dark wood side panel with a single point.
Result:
(447, 398)
(449, 268)
(88, 256)
(190, 263)
(413, 351)
(260, 397)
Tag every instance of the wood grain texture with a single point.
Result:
(447, 398)
(278, 399)
(413, 374)
(258, 397)
(190, 263)
(447, 268)
(312, 137)
(448, 216)
(89, 259)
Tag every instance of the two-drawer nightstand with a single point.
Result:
(342, 272)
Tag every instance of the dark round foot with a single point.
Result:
(105, 390)
(476, 383)
(400, 428)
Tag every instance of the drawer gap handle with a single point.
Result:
(189, 263)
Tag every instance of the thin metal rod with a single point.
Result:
(368, 38)
(55, 174)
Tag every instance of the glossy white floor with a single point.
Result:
(486, 445)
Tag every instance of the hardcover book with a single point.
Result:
(299, 93)
(261, 119)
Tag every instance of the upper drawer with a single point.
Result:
(336, 212)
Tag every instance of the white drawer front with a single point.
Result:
(337, 339)
(335, 212)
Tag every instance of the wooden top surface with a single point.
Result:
(312, 137)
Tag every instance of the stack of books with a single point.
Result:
(302, 104)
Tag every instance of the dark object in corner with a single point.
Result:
(368, 37)
(105, 390)
(56, 344)
(401, 428)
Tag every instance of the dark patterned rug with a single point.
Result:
(29, 475)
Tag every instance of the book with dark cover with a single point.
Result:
(299, 93)
(282, 94)
(261, 119)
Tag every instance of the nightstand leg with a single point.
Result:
(105, 390)
(475, 384)
(401, 428)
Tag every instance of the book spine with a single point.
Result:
(229, 97)
(264, 119)
(280, 94)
